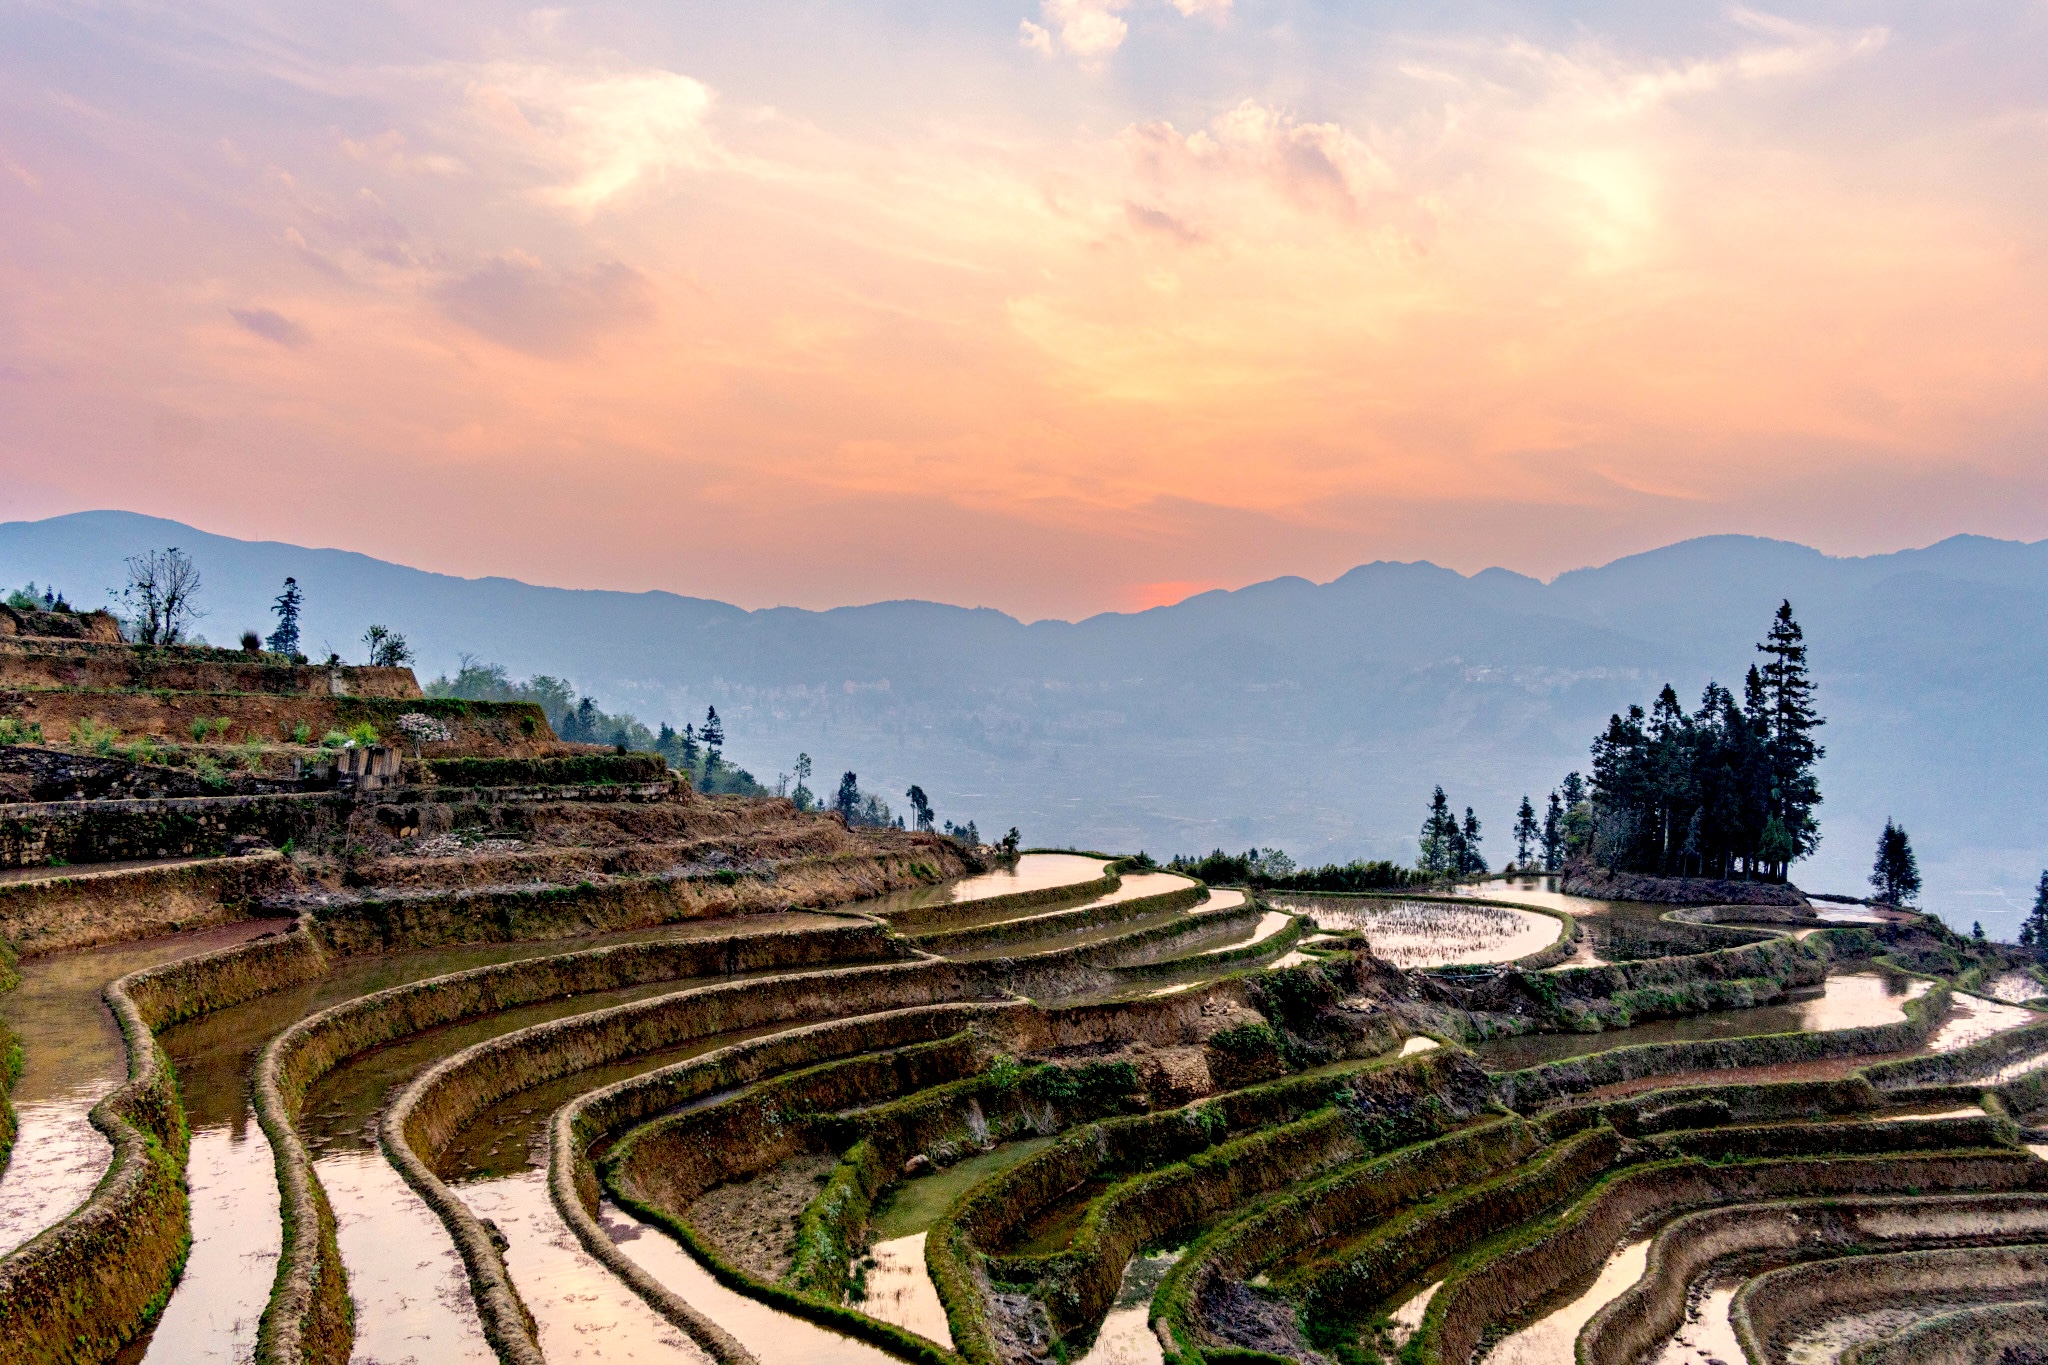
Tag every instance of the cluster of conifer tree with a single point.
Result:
(1450, 848)
(1727, 790)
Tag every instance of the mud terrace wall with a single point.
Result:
(924, 916)
(86, 1286)
(1505, 1283)
(504, 913)
(435, 1107)
(1060, 921)
(480, 727)
(89, 907)
(1768, 1306)
(593, 1118)
(308, 1316)
(1535, 1087)
(1199, 1158)
(1356, 1196)
(567, 770)
(115, 667)
(1968, 1337)
(1600, 884)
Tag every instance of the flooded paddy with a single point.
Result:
(1125, 1337)
(1420, 933)
(1552, 1338)
(774, 1337)
(1032, 872)
(582, 1310)
(2015, 988)
(900, 1289)
(1021, 929)
(1850, 1000)
(412, 1298)
(1972, 1019)
(72, 1056)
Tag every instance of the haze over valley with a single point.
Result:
(1311, 717)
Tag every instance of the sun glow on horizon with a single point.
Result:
(1486, 297)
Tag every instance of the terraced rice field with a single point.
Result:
(1073, 1107)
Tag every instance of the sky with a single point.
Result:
(1056, 306)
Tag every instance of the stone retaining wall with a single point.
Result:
(38, 834)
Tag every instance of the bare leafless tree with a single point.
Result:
(158, 600)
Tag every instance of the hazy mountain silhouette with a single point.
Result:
(1313, 717)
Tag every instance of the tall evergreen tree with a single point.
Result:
(1470, 863)
(847, 802)
(1788, 690)
(920, 807)
(1895, 876)
(286, 607)
(1574, 790)
(2034, 932)
(1527, 831)
(803, 795)
(1553, 835)
(1439, 839)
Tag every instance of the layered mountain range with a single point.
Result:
(1313, 717)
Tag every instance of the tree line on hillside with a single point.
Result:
(159, 607)
(1272, 869)
(698, 751)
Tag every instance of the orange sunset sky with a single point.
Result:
(1055, 306)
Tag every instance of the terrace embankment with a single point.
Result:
(815, 1114)
(57, 910)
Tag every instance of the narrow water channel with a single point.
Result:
(72, 1055)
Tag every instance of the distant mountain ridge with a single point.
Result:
(1315, 717)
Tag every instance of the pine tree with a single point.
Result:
(1439, 837)
(1553, 835)
(1527, 831)
(285, 639)
(803, 795)
(847, 802)
(1788, 692)
(1895, 876)
(1470, 863)
(1574, 790)
(2034, 932)
(1977, 930)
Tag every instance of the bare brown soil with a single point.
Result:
(754, 1221)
